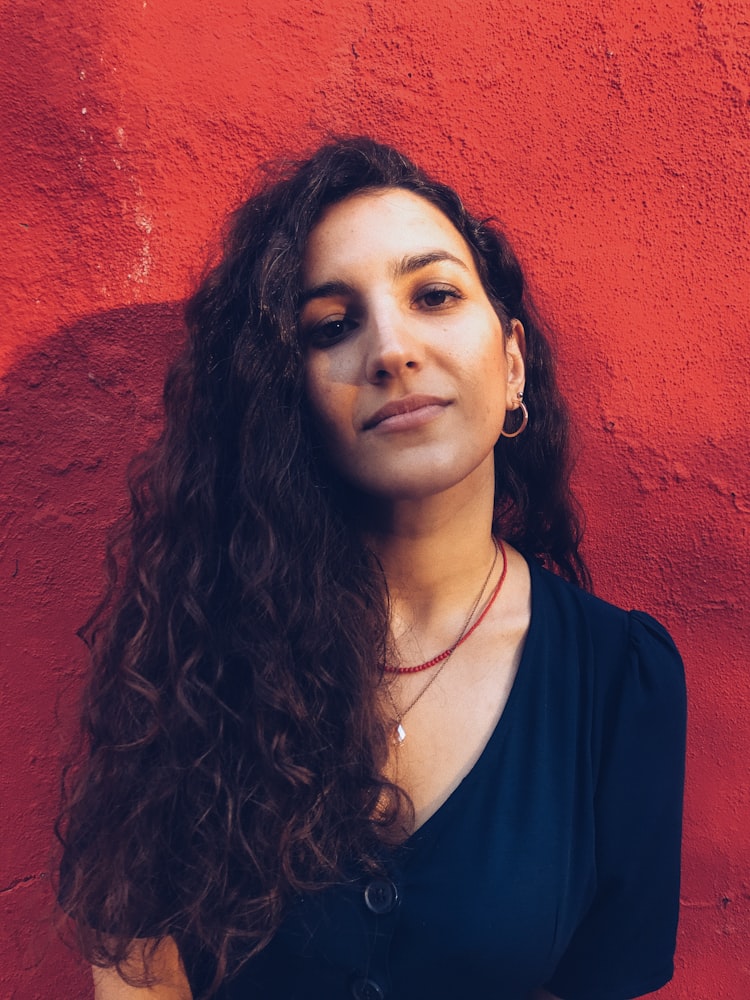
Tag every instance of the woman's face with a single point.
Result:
(408, 370)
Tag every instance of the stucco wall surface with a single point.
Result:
(611, 138)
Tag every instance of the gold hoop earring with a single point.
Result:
(524, 420)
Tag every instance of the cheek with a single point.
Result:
(317, 381)
(489, 375)
(492, 391)
(329, 404)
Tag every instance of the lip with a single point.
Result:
(406, 413)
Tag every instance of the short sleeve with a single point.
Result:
(624, 946)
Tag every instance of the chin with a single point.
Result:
(413, 486)
(419, 476)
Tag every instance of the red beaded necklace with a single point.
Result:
(464, 635)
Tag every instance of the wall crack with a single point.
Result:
(24, 880)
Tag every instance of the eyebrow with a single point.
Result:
(328, 290)
(407, 265)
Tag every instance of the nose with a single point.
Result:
(392, 347)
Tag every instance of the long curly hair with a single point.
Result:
(235, 748)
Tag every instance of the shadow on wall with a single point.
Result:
(75, 409)
(72, 414)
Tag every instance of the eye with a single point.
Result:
(330, 331)
(438, 295)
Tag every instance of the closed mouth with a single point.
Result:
(407, 404)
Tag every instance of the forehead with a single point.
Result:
(379, 225)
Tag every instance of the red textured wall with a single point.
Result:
(612, 140)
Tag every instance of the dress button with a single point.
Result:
(367, 989)
(381, 896)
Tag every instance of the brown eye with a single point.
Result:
(433, 298)
(330, 331)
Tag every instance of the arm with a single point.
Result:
(624, 944)
(166, 967)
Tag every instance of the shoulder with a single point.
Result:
(554, 595)
(619, 658)
(565, 608)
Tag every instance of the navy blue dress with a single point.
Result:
(556, 860)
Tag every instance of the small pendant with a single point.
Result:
(400, 734)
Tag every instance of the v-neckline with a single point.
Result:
(499, 730)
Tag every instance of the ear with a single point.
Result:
(515, 355)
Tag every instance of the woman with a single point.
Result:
(348, 737)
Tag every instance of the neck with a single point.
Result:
(435, 554)
(430, 561)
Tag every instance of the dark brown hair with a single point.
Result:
(234, 745)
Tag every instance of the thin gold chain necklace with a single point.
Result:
(399, 733)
